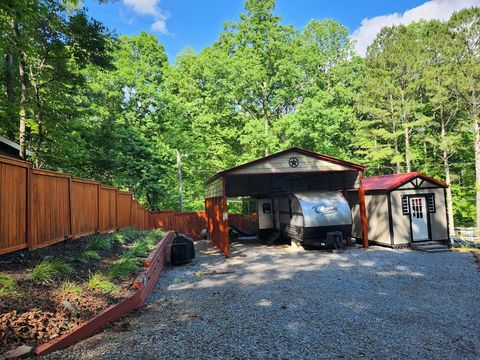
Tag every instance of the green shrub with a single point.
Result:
(8, 285)
(123, 268)
(99, 242)
(152, 238)
(101, 283)
(118, 237)
(48, 269)
(130, 234)
(88, 255)
(71, 288)
(139, 249)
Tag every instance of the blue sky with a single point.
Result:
(197, 23)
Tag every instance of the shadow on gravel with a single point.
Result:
(279, 303)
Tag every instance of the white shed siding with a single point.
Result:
(377, 215)
(401, 223)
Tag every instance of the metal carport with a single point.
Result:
(290, 170)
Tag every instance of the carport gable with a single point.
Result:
(290, 170)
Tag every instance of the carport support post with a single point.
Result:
(224, 220)
(363, 212)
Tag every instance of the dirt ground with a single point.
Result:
(277, 303)
(35, 313)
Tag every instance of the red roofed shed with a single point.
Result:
(402, 209)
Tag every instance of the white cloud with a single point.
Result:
(434, 9)
(151, 8)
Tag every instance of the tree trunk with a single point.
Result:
(476, 127)
(23, 93)
(398, 167)
(180, 183)
(407, 147)
(451, 224)
(39, 118)
(9, 77)
(407, 136)
(266, 126)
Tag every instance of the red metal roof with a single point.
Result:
(390, 182)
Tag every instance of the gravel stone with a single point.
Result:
(291, 304)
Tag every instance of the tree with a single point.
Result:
(329, 75)
(465, 29)
(262, 53)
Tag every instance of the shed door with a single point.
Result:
(419, 218)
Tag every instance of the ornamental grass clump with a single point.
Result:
(49, 269)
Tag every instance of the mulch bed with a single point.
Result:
(37, 315)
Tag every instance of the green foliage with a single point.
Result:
(99, 242)
(100, 282)
(138, 249)
(8, 285)
(153, 236)
(123, 268)
(88, 255)
(71, 288)
(115, 109)
(49, 269)
(131, 234)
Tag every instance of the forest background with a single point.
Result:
(85, 101)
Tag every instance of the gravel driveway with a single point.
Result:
(284, 304)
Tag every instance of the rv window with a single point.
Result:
(267, 208)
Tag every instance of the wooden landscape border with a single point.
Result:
(154, 266)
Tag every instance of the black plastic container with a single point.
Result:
(183, 250)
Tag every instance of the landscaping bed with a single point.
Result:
(47, 292)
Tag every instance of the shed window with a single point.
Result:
(430, 198)
(405, 206)
(267, 208)
(431, 203)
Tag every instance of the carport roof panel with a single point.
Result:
(293, 160)
(393, 181)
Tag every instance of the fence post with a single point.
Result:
(70, 206)
(29, 214)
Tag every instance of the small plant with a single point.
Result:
(118, 237)
(8, 285)
(130, 234)
(92, 254)
(152, 238)
(123, 269)
(139, 249)
(88, 255)
(101, 283)
(48, 269)
(99, 242)
(71, 288)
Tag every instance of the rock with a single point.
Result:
(18, 352)
(67, 305)
(124, 326)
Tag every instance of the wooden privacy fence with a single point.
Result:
(39, 207)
